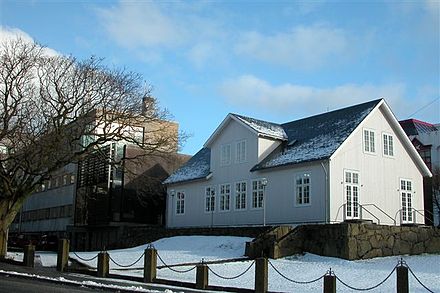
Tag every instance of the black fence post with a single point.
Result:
(330, 283)
(402, 279)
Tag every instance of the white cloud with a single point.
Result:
(251, 92)
(140, 24)
(306, 47)
(9, 34)
(433, 7)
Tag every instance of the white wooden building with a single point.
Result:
(354, 163)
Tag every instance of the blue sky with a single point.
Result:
(272, 60)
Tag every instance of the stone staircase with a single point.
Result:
(277, 242)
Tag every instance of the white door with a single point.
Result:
(406, 198)
(351, 188)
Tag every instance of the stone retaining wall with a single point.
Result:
(350, 241)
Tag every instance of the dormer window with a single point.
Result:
(225, 155)
(240, 153)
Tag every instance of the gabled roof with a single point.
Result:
(264, 128)
(416, 127)
(259, 127)
(317, 137)
(198, 167)
(310, 139)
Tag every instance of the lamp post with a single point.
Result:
(172, 193)
(264, 183)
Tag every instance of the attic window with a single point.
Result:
(369, 145)
(240, 152)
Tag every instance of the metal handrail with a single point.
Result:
(337, 213)
(362, 207)
(410, 210)
(372, 204)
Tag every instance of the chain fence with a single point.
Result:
(84, 259)
(234, 277)
(403, 263)
(173, 269)
(369, 288)
(129, 265)
(294, 281)
(400, 263)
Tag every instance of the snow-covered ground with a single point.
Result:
(188, 249)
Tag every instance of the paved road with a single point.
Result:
(9, 284)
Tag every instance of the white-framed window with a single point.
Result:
(406, 199)
(209, 199)
(225, 197)
(240, 195)
(72, 178)
(303, 184)
(388, 145)
(180, 202)
(225, 155)
(257, 194)
(240, 152)
(369, 138)
(351, 188)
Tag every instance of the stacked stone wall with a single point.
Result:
(351, 241)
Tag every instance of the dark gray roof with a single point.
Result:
(198, 167)
(317, 137)
(304, 140)
(263, 127)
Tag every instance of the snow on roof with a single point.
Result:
(308, 139)
(197, 167)
(263, 127)
(317, 137)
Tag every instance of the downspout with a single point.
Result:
(325, 192)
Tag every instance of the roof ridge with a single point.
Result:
(334, 111)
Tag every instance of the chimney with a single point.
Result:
(148, 106)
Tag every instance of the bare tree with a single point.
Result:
(56, 109)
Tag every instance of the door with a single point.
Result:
(406, 198)
(351, 188)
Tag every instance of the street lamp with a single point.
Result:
(172, 193)
(264, 183)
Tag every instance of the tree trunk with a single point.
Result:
(8, 212)
(3, 241)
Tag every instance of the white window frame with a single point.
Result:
(224, 197)
(387, 147)
(241, 151)
(238, 196)
(209, 206)
(180, 203)
(257, 202)
(354, 187)
(225, 154)
(406, 201)
(302, 188)
(367, 143)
